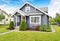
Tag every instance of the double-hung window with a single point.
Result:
(27, 9)
(35, 19)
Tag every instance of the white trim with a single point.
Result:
(27, 8)
(16, 20)
(21, 12)
(35, 16)
(31, 5)
(25, 19)
(34, 7)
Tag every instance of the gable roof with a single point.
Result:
(32, 6)
(45, 9)
(2, 11)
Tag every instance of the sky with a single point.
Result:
(11, 5)
(54, 7)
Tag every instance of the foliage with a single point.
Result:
(52, 20)
(57, 19)
(32, 36)
(11, 25)
(2, 17)
(23, 26)
(3, 28)
(41, 28)
(46, 28)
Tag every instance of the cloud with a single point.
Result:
(8, 9)
(54, 7)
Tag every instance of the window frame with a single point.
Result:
(35, 22)
(27, 9)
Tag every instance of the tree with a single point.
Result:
(57, 19)
(52, 20)
(23, 26)
(11, 25)
(2, 17)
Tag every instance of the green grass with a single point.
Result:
(32, 36)
(3, 28)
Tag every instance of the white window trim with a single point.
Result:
(26, 8)
(36, 16)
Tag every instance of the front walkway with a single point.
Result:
(53, 30)
(6, 32)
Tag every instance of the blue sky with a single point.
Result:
(17, 3)
(11, 5)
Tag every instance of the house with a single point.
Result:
(7, 17)
(33, 16)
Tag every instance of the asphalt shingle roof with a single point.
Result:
(45, 9)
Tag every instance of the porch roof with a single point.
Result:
(20, 12)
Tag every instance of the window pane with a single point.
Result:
(37, 19)
(32, 19)
(27, 9)
(17, 19)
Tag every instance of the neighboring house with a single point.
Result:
(33, 16)
(7, 17)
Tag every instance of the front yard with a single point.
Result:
(3, 28)
(32, 36)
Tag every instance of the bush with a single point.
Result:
(41, 28)
(23, 26)
(11, 25)
(46, 28)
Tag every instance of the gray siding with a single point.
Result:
(45, 19)
(29, 24)
(41, 19)
(32, 9)
(18, 18)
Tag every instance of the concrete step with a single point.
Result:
(17, 28)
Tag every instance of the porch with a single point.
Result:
(19, 18)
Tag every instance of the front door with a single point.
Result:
(17, 20)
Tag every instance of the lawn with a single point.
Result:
(3, 28)
(32, 36)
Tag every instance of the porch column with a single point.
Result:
(23, 18)
(16, 21)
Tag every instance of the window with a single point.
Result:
(35, 19)
(6, 19)
(18, 19)
(27, 9)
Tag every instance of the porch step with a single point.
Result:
(17, 28)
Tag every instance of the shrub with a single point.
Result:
(23, 26)
(41, 28)
(46, 28)
(11, 25)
